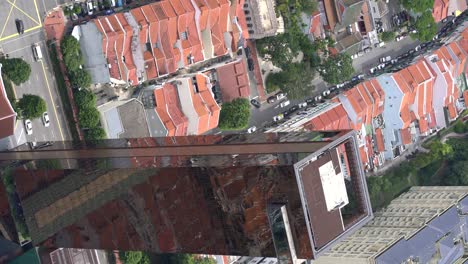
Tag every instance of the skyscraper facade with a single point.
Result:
(290, 196)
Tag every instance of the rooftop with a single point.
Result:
(7, 113)
(233, 81)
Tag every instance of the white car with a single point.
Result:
(285, 103)
(278, 117)
(381, 66)
(280, 96)
(394, 61)
(318, 98)
(302, 105)
(90, 7)
(28, 126)
(251, 130)
(326, 93)
(354, 56)
(385, 59)
(399, 38)
(361, 76)
(418, 48)
(372, 70)
(45, 119)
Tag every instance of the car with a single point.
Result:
(45, 119)
(379, 45)
(280, 96)
(418, 48)
(354, 56)
(380, 30)
(435, 37)
(381, 66)
(271, 99)
(251, 129)
(255, 103)
(372, 70)
(360, 54)
(318, 98)
(367, 50)
(302, 113)
(250, 64)
(28, 126)
(19, 26)
(278, 117)
(341, 85)
(302, 105)
(109, 12)
(37, 53)
(394, 61)
(285, 103)
(399, 38)
(247, 52)
(385, 59)
(90, 7)
(326, 93)
(310, 101)
(360, 76)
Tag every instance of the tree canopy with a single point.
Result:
(418, 6)
(70, 44)
(295, 79)
(131, 257)
(388, 36)
(89, 117)
(80, 78)
(32, 106)
(95, 133)
(308, 6)
(337, 69)
(71, 53)
(16, 69)
(234, 115)
(84, 98)
(426, 27)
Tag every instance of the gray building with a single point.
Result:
(90, 39)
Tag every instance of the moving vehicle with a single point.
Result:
(19, 26)
(255, 103)
(285, 103)
(251, 130)
(28, 126)
(45, 119)
(278, 117)
(37, 53)
(385, 59)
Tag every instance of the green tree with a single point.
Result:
(276, 49)
(80, 78)
(77, 9)
(426, 27)
(84, 98)
(388, 36)
(70, 44)
(460, 127)
(308, 6)
(72, 61)
(131, 257)
(295, 79)
(71, 53)
(16, 69)
(418, 6)
(95, 133)
(32, 106)
(234, 115)
(89, 117)
(458, 174)
(337, 69)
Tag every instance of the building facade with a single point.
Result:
(290, 196)
(423, 225)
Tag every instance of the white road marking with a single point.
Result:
(19, 138)
(22, 36)
(37, 77)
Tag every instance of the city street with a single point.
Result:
(42, 80)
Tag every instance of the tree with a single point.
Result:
(308, 6)
(69, 44)
(426, 27)
(77, 9)
(89, 117)
(71, 53)
(337, 69)
(276, 49)
(32, 106)
(418, 6)
(72, 61)
(16, 69)
(84, 98)
(295, 79)
(460, 127)
(95, 133)
(235, 115)
(80, 78)
(388, 36)
(458, 174)
(131, 257)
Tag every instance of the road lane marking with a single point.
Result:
(19, 138)
(52, 100)
(6, 21)
(21, 10)
(37, 11)
(16, 34)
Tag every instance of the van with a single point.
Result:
(37, 52)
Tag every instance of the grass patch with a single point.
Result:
(62, 88)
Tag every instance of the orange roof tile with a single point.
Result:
(162, 112)
(440, 10)
(452, 111)
(423, 125)
(363, 155)
(379, 139)
(173, 109)
(406, 137)
(232, 77)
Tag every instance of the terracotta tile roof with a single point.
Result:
(331, 14)
(423, 126)
(333, 119)
(233, 81)
(161, 110)
(173, 109)
(465, 97)
(380, 140)
(432, 120)
(366, 17)
(406, 137)
(363, 155)
(452, 111)
(204, 87)
(368, 101)
(440, 9)
(7, 114)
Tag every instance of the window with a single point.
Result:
(184, 35)
(246, 12)
(251, 31)
(246, 5)
(249, 25)
(248, 18)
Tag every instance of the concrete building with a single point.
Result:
(262, 194)
(423, 225)
(261, 19)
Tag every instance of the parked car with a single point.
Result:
(280, 95)
(354, 56)
(367, 50)
(302, 105)
(310, 101)
(394, 61)
(385, 59)
(251, 130)
(90, 7)
(271, 99)
(255, 103)
(399, 38)
(28, 126)
(285, 103)
(109, 12)
(360, 54)
(361, 76)
(37, 53)
(278, 117)
(326, 93)
(318, 98)
(379, 45)
(372, 70)
(247, 52)
(381, 66)
(418, 48)
(19, 26)
(45, 119)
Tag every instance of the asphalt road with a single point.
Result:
(42, 80)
